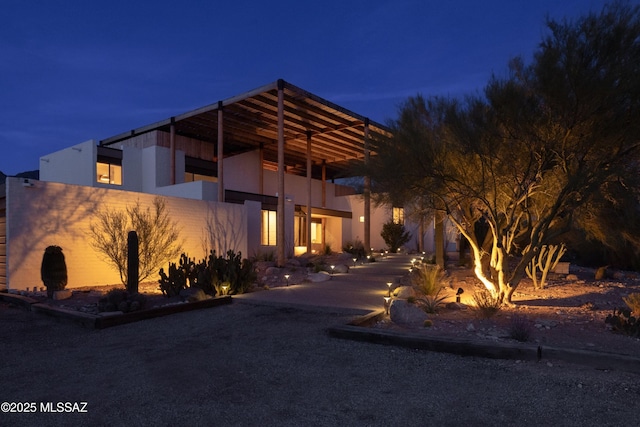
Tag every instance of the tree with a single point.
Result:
(158, 237)
(394, 235)
(542, 142)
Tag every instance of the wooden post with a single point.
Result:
(439, 237)
(220, 153)
(367, 191)
(280, 235)
(172, 148)
(308, 231)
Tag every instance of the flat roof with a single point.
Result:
(250, 121)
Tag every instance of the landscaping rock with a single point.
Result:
(456, 306)
(404, 292)
(322, 276)
(571, 277)
(402, 312)
(60, 295)
(192, 294)
(341, 268)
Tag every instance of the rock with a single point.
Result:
(402, 312)
(322, 276)
(404, 292)
(601, 273)
(192, 295)
(60, 295)
(293, 262)
(561, 268)
(123, 306)
(271, 271)
(571, 277)
(456, 306)
(341, 268)
(471, 327)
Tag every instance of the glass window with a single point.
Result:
(398, 216)
(268, 234)
(107, 173)
(300, 230)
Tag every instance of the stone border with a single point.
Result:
(359, 330)
(109, 320)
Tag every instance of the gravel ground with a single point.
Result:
(260, 365)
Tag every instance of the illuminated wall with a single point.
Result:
(48, 213)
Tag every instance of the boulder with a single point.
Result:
(340, 268)
(60, 295)
(456, 306)
(322, 276)
(404, 292)
(402, 312)
(192, 294)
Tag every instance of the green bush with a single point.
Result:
(428, 278)
(394, 235)
(487, 304)
(355, 248)
(53, 270)
(623, 322)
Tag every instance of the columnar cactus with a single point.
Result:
(53, 270)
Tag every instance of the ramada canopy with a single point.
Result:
(250, 121)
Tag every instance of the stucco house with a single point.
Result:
(254, 173)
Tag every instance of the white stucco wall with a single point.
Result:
(55, 167)
(49, 213)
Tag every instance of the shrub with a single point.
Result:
(158, 237)
(411, 300)
(633, 302)
(520, 328)
(432, 303)
(487, 304)
(428, 323)
(428, 278)
(355, 248)
(394, 235)
(53, 270)
(623, 322)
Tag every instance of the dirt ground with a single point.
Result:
(570, 312)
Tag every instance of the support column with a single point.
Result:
(220, 153)
(324, 183)
(280, 234)
(308, 192)
(172, 148)
(367, 191)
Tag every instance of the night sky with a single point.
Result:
(73, 70)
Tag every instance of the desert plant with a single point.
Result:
(428, 278)
(172, 282)
(432, 303)
(53, 270)
(355, 248)
(623, 322)
(633, 302)
(411, 299)
(520, 328)
(545, 260)
(428, 323)
(487, 304)
(158, 237)
(394, 235)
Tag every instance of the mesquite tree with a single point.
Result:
(539, 144)
(158, 237)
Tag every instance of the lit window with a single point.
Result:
(268, 234)
(107, 173)
(398, 215)
(300, 230)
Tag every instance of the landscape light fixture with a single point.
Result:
(225, 289)
(458, 293)
(389, 285)
(286, 277)
(332, 268)
(354, 262)
(386, 304)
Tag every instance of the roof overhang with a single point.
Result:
(250, 121)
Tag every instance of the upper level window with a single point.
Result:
(199, 170)
(398, 216)
(108, 173)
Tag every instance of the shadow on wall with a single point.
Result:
(47, 214)
(223, 231)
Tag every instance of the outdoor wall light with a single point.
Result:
(389, 285)
(386, 304)
(286, 277)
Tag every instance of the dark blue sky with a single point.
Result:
(73, 70)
